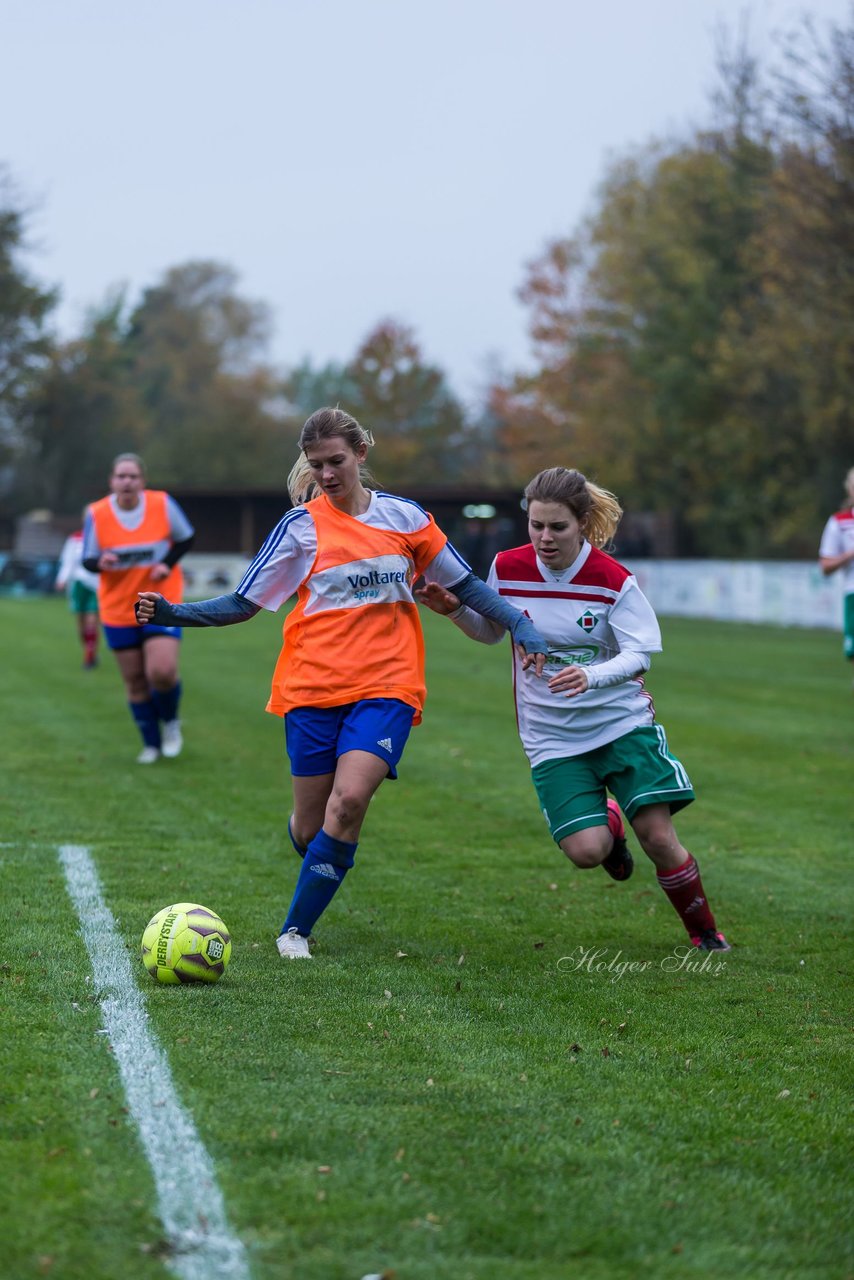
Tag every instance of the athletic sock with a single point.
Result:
(90, 646)
(166, 703)
(684, 888)
(324, 867)
(145, 715)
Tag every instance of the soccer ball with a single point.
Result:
(186, 943)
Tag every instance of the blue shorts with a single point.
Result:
(317, 736)
(133, 637)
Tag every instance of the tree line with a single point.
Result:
(693, 343)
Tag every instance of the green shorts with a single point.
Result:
(848, 625)
(82, 599)
(637, 769)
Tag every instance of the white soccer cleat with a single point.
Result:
(293, 946)
(148, 755)
(171, 739)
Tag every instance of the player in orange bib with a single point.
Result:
(349, 681)
(134, 539)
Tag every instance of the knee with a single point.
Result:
(304, 833)
(655, 847)
(348, 806)
(587, 849)
(162, 679)
(660, 843)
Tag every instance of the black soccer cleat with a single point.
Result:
(711, 940)
(619, 863)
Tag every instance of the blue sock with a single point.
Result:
(166, 703)
(323, 869)
(145, 715)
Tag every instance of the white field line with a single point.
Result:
(190, 1203)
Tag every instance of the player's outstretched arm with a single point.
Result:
(221, 611)
(447, 605)
(437, 598)
(473, 592)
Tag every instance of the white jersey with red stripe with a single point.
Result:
(71, 567)
(836, 540)
(588, 613)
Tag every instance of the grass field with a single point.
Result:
(444, 1091)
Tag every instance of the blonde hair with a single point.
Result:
(326, 424)
(596, 510)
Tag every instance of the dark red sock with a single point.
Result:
(90, 645)
(684, 888)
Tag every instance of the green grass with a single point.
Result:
(487, 1109)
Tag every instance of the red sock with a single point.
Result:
(90, 645)
(684, 888)
(615, 821)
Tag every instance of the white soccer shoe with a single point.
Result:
(293, 946)
(148, 755)
(171, 740)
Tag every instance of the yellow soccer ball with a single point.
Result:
(186, 943)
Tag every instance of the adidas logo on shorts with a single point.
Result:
(385, 743)
(326, 870)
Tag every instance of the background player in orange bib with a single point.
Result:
(349, 681)
(590, 727)
(134, 539)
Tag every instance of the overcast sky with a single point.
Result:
(351, 159)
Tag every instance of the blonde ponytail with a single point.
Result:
(597, 510)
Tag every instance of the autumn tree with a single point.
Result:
(193, 351)
(792, 359)
(694, 339)
(627, 322)
(406, 402)
(24, 342)
(83, 412)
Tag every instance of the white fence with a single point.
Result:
(789, 593)
(208, 574)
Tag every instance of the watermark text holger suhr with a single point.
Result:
(685, 959)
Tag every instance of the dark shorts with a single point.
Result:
(135, 637)
(848, 625)
(637, 768)
(317, 736)
(82, 599)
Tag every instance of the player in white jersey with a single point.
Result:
(81, 587)
(588, 724)
(837, 552)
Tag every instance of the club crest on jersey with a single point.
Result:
(587, 621)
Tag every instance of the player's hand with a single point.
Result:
(437, 598)
(145, 606)
(107, 560)
(159, 572)
(535, 660)
(570, 682)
